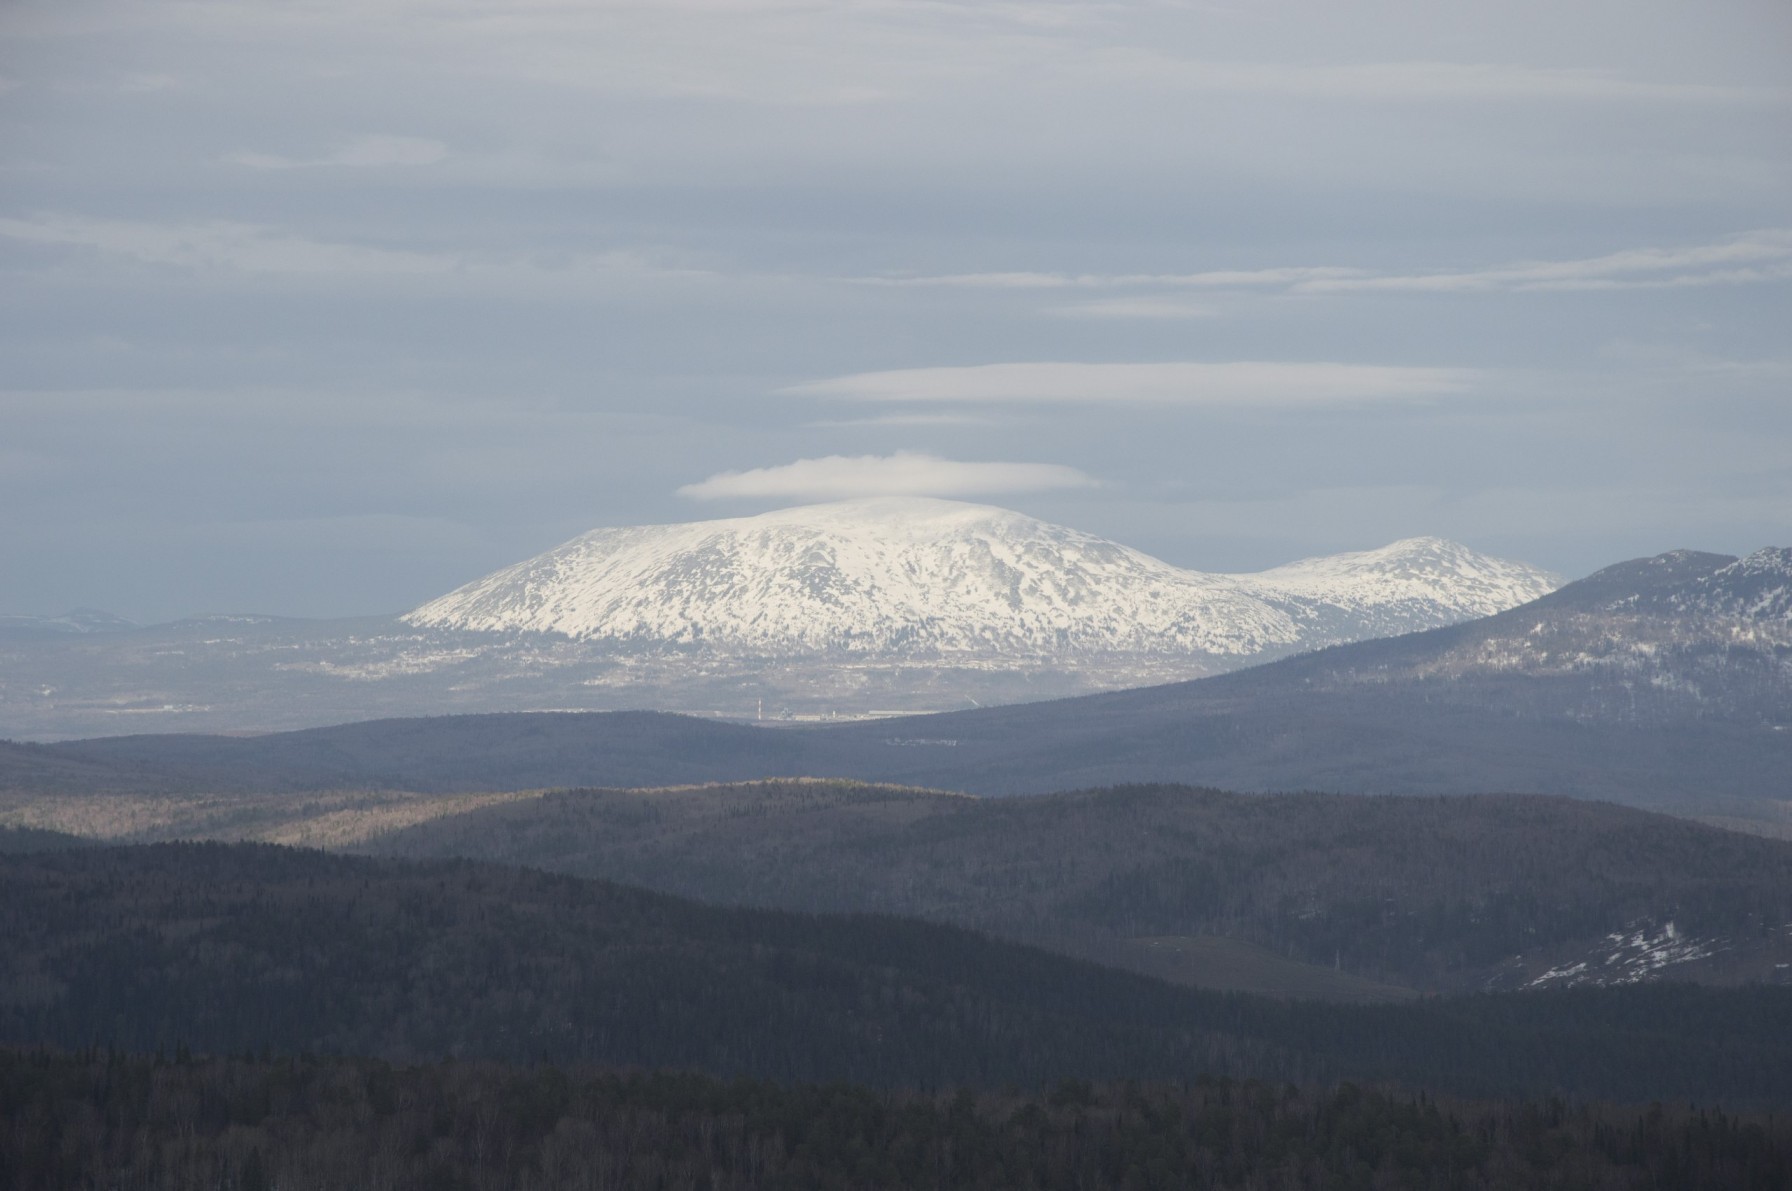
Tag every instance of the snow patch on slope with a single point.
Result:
(1638, 954)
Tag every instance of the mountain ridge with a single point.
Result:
(919, 577)
(74, 622)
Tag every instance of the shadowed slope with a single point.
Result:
(235, 948)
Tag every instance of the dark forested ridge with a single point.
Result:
(1439, 893)
(1333, 896)
(1257, 733)
(37, 839)
(235, 948)
(305, 1124)
(519, 751)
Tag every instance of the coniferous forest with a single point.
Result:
(244, 948)
(252, 1123)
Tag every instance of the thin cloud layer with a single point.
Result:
(1243, 383)
(363, 152)
(1281, 277)
(1436, 81)
(904, 473)
(255, 249)
(1752, 257)
(250, 248)
(1144, 307)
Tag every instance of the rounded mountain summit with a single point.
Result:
(928, 580)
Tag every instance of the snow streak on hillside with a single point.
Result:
(1756, 587)
(922, 578)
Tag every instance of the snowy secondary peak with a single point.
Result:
(1690, 583)
(1411, 584)
(918, 577)
(1757, 586)
(1433, 568)
(1776, 560)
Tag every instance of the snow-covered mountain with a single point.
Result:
(938, 579)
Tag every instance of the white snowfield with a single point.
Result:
(923, 578)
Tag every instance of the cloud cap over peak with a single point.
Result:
(905, 473)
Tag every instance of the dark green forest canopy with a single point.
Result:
(177, 1120)
(235, 948)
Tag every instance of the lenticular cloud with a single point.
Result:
(903, 474)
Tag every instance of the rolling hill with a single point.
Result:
(227, 949)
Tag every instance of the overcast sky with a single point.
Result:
(324, 307)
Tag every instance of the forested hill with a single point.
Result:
(237, 948)
(1461, 893)
(1231, 737)
(1332, 896)
(440, 753)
